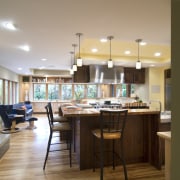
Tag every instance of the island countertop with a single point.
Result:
(72, 111)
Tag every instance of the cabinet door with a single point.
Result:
(128, 75)
(132, 75)
(139, 76)
(82, 75)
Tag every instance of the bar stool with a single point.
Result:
(56, 118)
(62, 129)
(112, 124)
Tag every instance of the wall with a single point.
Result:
(142, 90)
(9, 75)
(156, 84)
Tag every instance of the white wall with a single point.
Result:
(9, 75)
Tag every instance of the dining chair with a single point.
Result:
(63, 129)
(111, 131)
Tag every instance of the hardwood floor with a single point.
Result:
(24, 160)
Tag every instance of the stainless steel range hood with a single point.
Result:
(103, 74)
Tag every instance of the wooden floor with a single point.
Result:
(24, 160)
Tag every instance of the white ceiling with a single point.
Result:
(49, 28)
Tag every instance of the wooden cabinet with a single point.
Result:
(134, 76)
(82, 75)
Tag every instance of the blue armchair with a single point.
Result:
(6, 113)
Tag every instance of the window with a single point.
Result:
(91, 91)
(66, 91)
(39, 91)
(53, 91)
(121, 90)
(6, 91)
(10, 92)
(1, 91)
(78, 91)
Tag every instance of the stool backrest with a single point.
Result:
(113, 121)
(50, 112)
(48, 115)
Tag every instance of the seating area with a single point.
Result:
(16, 113)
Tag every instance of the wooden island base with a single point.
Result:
(141, 143)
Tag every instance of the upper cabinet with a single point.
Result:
(134, 76)
(82, 75)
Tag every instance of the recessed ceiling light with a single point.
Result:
(43, 59)
(103, 40)
(152, 65)
(94, 50)
(9, 26)
(142, 43)
(157, 54)
(25, 48)
(127, 52)
(19, 68)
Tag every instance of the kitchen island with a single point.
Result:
(141, 143)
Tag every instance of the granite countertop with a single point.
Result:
(77, 111)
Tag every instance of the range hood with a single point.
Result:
(103, 74)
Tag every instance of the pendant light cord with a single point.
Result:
(74, 45)
(110, 38)
(79, 35)
(138, 41)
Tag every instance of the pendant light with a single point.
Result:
(110, 62)
(71, 70)
(74, 65)
(79, 60)
(138, 62)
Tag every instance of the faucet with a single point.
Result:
(156, 101)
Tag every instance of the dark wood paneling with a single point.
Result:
(82, 75)
(136, 76)
(141, 143)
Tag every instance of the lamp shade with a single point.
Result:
(138, 65)
(71, 71)
(110, 63)
(74, 67)
(79, 62)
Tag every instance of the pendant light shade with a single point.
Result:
(71, 70)
(110, 62)
(138, 62)
(74, 65)
(79, 60)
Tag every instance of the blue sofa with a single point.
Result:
(24, 108)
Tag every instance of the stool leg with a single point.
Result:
(47, 152)
(94, 153)
(123, 161)
(102, 159)
(70, 156)
(113, 152)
